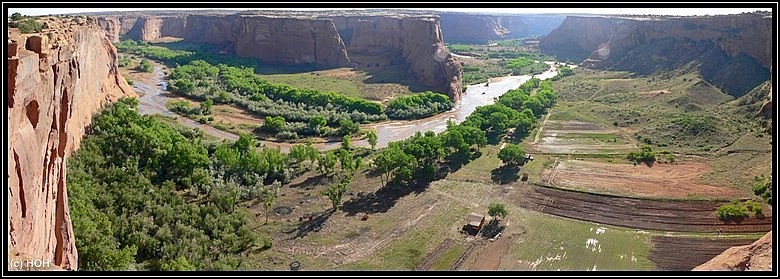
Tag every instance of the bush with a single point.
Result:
(16, 16)
(645, 154)
(418, 105)
(145, 66)
(733, 211)
(30, 26)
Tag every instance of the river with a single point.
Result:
(154, 97)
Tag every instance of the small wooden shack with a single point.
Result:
(475, 221)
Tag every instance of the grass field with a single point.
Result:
(553, 243)
(355, 83)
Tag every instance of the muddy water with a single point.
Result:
(476, 95)
(154, 98)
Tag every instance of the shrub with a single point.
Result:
(733, 211)
(145, 66)
(30, 26)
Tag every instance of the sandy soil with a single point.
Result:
(676, 180)
(553, 138)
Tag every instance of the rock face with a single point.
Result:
(481, 28)
(732, 52)
(322, 39)
(55, 85)
(756, 256)
(144, 28)
(415, 41)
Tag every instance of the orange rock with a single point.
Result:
(48, 108)
(756, 256)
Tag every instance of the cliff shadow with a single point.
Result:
(395, 74)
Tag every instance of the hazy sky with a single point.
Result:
(659, 11)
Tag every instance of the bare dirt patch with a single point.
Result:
(653, 93)
(646, 214)
(676, 180)
(573, 136)
(685, 253)
(489, 257)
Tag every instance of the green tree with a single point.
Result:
(496, 209)
(372, 139)
(316, 122)
(327, 162)
(180, 263)
(336, 191)
(346, 143)
(205, 107)
(145, 66)
(274, 124)
(762, 187)
(269, 194)
(347, 127)
(16, 16)
(512, 154)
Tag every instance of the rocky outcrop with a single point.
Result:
(55, 84)
(756, 256)
(732, 52)
(144, 28)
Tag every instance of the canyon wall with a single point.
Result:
(55, 84)
(144, 28)
(732, 52)
(414, 41)
(481, 28)
(323, 39)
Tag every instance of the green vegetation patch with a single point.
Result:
(554, 243)
(419, 105)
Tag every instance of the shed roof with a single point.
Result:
(475, 219)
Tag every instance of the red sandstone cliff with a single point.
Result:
(55, 85)
(756, 256)
(145, 28)
(337, 41)
(377, 41)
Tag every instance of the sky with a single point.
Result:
(640, 11)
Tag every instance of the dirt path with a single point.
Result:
(541, 127)
(490, 256)
(431, 257)
(357, 248)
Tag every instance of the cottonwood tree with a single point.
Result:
(512, 154)
(496, 209)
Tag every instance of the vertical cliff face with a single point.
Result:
(291, 41)
(144, 28)
(326, 40)
(470, 28)
(336, 41)
(732, 52)
(55, 85)
(481, 28)
(416, 41)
